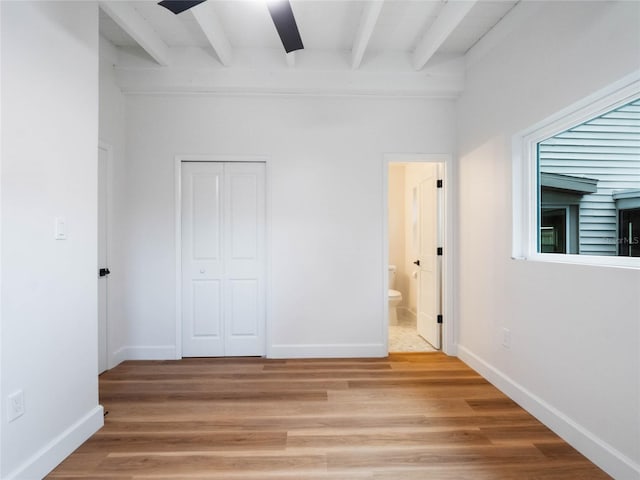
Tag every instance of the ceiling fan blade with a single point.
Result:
(285, 22)
(179, 6)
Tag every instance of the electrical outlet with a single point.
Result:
(506, 338)
(15, 405)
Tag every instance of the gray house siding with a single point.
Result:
(606, 148)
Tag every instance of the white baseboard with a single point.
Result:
(168, 352)
(117, 357)
(595, 449)
(50, 456)
(158, 352)
(327, 350)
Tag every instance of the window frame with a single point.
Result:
(526, 181)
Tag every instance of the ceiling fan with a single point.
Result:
(280, 11)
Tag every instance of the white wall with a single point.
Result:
(49, 321)
(326, 203)
(574, 359)
(112, 133)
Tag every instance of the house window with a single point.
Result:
(553, 229)
(577, 182)
(628, 206)
(560, 195)
(629, 244)
(589, 164)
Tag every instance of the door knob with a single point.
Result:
(103, 272)
(417, 262)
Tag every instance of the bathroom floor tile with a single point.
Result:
(404, 338)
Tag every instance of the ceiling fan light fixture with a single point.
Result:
(280, 11)
(179, 6)
(285, 23)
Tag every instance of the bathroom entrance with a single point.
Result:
(415, 239)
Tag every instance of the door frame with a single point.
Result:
(178, 159)
(108, 148)
(449, 344)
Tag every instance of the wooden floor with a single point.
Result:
(409, 416)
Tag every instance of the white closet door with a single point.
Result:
(244, 241)
(202, 261)
(222, 259)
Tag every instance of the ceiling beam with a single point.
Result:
(291, 59)
(208, 21)
(365, 29)
(138, 28)
(450, 17)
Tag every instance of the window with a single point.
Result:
(629, 243)
(628, 206)
(561, 193)
(554, 230)
(577, 182)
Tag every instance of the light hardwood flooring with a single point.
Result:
(405, 417)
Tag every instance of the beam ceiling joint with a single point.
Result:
(291, 59)
(451, 15)
(137, 27)
(368, 22)
(208, 21)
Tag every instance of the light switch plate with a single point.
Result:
(15, 405)
(60, 230)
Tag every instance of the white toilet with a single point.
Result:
(395, 297)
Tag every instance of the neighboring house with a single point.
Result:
(590, 186)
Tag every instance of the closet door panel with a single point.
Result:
(202, 259)
(245, 258)
(223, 258)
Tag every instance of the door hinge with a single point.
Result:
(439, 318)
(439, 251)
(439, 184)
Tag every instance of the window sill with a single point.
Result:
(592, 260)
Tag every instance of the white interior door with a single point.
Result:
(428, 303)
(223, 287)
(103, 159)
(244, 254)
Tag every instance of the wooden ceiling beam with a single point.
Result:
(365, 30)
(138, 28)
(208, 21)
(452, 13)
(291, 59)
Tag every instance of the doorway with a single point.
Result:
(415, 252)
(222, 258)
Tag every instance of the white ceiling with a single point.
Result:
(325, 25)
